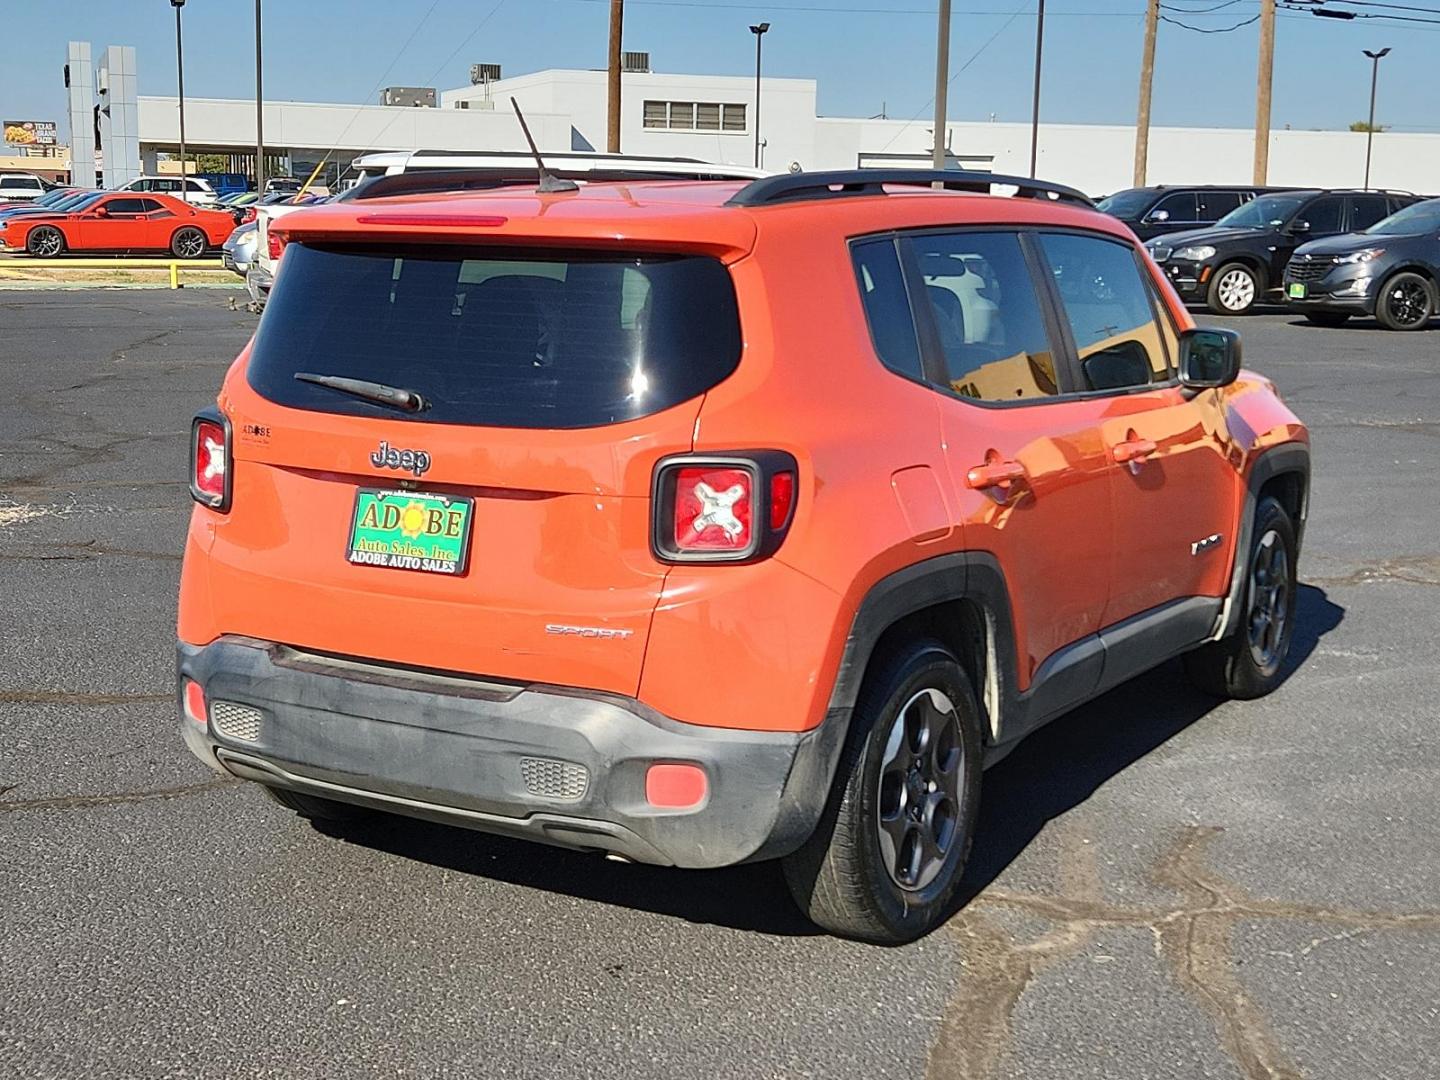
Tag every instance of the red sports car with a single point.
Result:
(121, 222)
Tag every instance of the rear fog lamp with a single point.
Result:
(195, 702)
(676, 786)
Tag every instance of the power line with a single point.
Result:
(1200, 11)
(1203, 30)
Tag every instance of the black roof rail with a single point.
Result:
(794, 187)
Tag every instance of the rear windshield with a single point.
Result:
(502, 339)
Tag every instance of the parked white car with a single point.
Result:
(197, 192)
(18, 186)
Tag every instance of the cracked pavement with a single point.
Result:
(1161, 886)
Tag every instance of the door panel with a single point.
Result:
(1032, 480)
(120, 228)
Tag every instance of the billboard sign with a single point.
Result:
(30, 132)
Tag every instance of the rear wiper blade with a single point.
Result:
(395, 397)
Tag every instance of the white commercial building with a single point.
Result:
(712, 117)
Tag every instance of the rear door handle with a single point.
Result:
(994, 474)
(1136, 450)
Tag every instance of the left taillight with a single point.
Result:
(210, 460)
(722, 508)
(275, 243)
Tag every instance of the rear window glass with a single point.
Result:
(502, 339)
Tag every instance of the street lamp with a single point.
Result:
(180, 84)
(1375, 58)
(759, 30)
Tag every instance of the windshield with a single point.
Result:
(1423, 217)
(1126, 204)
(1263, 213)
(504, 339)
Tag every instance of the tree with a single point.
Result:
(1364, 125)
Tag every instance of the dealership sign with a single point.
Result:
(30, 132)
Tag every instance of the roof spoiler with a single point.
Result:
(795, 187)
(437, 181)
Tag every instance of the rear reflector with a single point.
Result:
(194, 701)
(782, 499)
(676, 786)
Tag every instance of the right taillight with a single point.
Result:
(210, 465)
(730, 508)
(275, 243)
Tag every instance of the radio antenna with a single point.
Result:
(549, 182)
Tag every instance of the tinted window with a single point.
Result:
(1366, 210)
(1108, 307)
(887, 307)
(1415, 220)
(151, 205)
(987, 319)
(126, 206)
(1216, 204)
(529, 341)
(1127, 204)
(1180, 207)
(1323, 214)
(1265, 212)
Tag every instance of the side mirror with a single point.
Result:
(1157, 216)
(1209, 358)
(100, 211)
(1299, 227)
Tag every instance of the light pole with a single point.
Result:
(259, 110)
(1035, 98)
(759, 30)
(180, 84)
(942, 83)
(1375, 58)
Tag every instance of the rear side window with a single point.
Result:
(887, 307)
(126, 206)
(1108, 307)
(1216, 204)
(987, 319)
(501, 339)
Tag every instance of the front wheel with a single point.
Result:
(1406, 302)
(188, 243)
(1246, 663)
(889, 850)
(45, 242)
(1233, 290)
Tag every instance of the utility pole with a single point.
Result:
(942, 83)
(1262, 91)
(1375, 58)
(759, 30)
(617, 20)
(259, 110)
(1035, 99)
(1147, 81)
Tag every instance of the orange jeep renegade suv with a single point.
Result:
(705, 522)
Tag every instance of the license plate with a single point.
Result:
(410, 530)
(1297, 291)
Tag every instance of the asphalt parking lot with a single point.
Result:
(1162, 886)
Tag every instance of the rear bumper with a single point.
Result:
(551, 764)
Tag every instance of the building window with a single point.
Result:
(694, 116)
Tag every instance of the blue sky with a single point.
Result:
(866, 54)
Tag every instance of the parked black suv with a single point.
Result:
(1155, 211)
(1242, 258)
(1390, 271)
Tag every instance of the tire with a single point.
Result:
(315, 808)
(847, 876)
(1331, 319)
(1233, 290)
(45, 242)
(188, 243)
(1236, 666)
(1405, 302)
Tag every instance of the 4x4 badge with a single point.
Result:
(411, 461)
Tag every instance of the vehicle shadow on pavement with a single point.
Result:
(1063, 764)
(1053, 771)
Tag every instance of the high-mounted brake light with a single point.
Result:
(723, 508)
(458, 220)
(210, 465)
